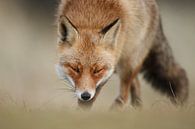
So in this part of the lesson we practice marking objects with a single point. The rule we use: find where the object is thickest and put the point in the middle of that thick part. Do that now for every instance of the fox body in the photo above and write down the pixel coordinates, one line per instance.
(97, 38)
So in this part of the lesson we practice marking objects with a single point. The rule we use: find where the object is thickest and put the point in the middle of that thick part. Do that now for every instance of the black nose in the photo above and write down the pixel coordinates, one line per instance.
(85, 96)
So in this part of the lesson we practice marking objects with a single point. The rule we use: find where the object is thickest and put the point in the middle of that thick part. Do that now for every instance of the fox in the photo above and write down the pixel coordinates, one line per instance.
(99, 38)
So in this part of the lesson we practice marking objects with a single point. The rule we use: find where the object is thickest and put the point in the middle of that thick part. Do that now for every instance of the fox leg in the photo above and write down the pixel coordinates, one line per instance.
(123, 97)
(135, 93)
(128, 84)
(88, 104)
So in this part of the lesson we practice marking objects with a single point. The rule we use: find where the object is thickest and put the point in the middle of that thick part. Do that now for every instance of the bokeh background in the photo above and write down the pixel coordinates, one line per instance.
(31, 95)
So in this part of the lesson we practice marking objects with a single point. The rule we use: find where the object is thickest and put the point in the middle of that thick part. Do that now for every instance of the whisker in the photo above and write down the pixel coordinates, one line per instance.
(68, 84)
(66, 89)
(74, 95)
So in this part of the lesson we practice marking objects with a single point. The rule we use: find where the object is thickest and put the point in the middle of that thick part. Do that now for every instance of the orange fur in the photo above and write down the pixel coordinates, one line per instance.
(88, 55)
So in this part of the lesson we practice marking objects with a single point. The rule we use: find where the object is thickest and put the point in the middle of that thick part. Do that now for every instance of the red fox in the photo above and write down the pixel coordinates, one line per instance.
(97, 38)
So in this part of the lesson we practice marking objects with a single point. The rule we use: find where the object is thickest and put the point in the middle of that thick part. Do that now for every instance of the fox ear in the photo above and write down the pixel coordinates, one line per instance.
(66, 30)
(110, 32)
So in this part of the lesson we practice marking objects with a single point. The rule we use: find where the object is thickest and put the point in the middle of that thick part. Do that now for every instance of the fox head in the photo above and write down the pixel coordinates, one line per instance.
(87, 57)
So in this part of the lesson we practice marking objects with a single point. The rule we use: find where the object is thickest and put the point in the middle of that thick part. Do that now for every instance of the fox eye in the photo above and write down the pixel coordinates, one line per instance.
(96, 70)
(108, 27)
(63, 31)
(75, 69)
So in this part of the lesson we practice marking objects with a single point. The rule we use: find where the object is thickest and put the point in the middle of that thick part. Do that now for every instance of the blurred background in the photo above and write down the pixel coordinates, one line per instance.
(28, 55)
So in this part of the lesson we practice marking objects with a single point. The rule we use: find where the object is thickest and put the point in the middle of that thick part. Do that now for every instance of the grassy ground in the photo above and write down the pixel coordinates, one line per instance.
(155, 118)
(29, 89)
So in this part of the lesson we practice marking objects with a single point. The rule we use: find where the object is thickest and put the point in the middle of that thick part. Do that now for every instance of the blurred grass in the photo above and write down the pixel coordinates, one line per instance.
(29, 88)
(18, 118)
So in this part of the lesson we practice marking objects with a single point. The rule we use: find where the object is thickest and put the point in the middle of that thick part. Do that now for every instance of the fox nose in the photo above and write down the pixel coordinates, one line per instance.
(85, 96)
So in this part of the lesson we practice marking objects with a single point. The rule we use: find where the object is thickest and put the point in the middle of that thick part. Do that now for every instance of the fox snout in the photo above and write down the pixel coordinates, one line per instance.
(85, 95)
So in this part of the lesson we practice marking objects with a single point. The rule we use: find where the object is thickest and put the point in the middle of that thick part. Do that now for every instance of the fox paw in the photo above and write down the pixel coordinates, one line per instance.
(118, 105)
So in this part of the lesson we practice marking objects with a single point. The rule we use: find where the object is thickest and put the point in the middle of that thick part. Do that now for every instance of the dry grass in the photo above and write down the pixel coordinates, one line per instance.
(13, 117)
